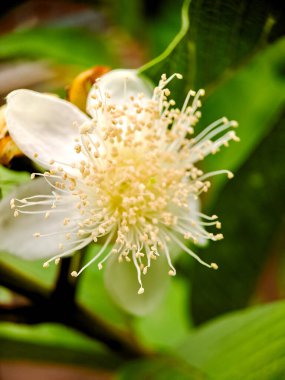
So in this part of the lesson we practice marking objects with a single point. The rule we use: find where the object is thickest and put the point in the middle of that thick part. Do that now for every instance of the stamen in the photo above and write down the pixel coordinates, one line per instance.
(164, 82)
(134, 181)
(102, 250)
(217, 172)
(188, 250)
(141, 289)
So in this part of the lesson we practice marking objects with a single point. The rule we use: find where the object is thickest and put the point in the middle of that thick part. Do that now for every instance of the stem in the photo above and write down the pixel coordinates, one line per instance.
(117, 340)
(65, 288)
(66, 285)
(50, 308)
(18, 283)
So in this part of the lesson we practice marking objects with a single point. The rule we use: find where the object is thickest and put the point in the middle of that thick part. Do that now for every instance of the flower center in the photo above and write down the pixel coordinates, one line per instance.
(135, 182)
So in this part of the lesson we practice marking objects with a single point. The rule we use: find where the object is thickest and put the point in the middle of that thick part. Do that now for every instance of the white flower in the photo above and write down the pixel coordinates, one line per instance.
(124, 177)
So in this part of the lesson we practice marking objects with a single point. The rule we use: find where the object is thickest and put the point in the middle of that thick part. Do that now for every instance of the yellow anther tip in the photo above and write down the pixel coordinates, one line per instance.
(141, 291)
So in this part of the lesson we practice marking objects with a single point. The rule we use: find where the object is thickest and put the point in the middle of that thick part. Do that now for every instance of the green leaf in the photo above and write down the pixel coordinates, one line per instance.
(247, 345)
(93, 294)
(225, 33)
(62, 45)
(254, 97)
(168, 324)
(32, 270)
(221, 36)
(163, 24)
(10, 179)
(169, 315)
(52, 343)
(251, 208)
(160, 368)
(128, 14)
(177, 57)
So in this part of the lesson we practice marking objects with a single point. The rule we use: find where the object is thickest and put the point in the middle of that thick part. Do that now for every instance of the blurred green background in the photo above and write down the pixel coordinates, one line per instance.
(226, 324)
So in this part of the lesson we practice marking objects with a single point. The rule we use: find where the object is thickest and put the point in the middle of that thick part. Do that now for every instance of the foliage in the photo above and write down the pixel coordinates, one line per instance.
(244, 345)
(61, 45)
(220, 38)
(236, 50)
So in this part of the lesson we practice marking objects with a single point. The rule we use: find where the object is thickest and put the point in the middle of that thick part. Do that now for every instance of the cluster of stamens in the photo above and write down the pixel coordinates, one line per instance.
(135, 179)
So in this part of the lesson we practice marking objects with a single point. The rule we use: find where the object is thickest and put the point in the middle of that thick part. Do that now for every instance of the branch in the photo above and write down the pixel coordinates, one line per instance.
(18, 283)
(47, 308)
(66, 285)
(117, 340)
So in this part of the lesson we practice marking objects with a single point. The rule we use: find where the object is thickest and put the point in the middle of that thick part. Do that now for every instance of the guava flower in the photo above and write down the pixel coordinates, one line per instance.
(124, 177)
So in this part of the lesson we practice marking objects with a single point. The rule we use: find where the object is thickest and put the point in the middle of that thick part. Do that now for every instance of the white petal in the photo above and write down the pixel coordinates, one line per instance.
(16, 233)
(122, 284)
(120, 84)
(43, 125)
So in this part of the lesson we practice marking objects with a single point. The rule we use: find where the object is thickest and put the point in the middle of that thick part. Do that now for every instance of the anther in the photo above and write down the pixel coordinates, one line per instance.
(77, 148)
(141, 290)
(66, 221)
(85, 128)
